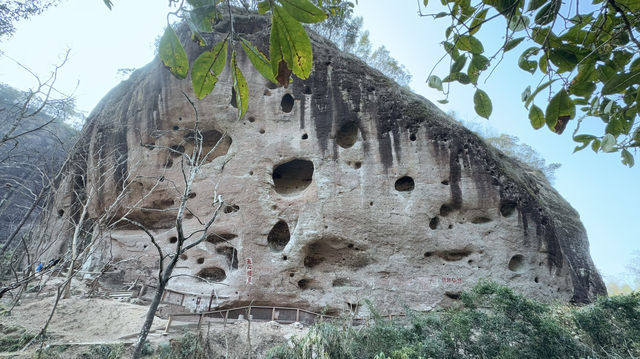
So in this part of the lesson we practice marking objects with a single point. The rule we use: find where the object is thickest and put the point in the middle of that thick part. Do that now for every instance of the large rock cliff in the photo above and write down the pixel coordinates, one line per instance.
(339, 188)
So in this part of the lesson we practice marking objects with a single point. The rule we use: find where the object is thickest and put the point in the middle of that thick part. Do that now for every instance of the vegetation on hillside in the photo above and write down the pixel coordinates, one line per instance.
(491, 321)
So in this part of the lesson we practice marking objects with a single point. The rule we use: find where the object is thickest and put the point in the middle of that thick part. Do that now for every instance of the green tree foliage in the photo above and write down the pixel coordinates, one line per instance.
(586, 58)
(12, 11)
(491, 321)
(512, 146)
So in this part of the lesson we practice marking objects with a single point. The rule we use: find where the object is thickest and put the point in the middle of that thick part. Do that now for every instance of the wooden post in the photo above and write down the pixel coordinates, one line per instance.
(199, 321)
(273, 313)
(166, 330)
(226, 315)
(297, 315)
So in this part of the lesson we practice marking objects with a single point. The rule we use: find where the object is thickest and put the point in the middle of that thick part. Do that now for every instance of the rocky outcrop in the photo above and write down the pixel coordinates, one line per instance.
(340, 188)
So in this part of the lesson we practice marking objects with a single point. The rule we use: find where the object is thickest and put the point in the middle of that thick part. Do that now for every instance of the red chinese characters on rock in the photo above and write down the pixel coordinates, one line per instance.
(249, 270)
(451, 280)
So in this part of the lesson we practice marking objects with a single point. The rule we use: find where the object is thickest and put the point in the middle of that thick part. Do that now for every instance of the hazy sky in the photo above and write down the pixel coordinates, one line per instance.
(605, 193)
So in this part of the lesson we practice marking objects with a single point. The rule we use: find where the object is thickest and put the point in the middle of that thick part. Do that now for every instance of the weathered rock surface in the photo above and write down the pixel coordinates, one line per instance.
(339, 188)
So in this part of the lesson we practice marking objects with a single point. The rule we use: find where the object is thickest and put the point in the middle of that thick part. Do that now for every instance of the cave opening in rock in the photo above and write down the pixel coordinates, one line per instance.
(293, 177)
(287, 103)
(210, 139)
(405, 184)
(279, 236)
(516, 263)
(173, 239)
(231, 208)
(213, 274)
(347, 135)
(445, 210)
(433, 223)
(60, 212)
(507, 208)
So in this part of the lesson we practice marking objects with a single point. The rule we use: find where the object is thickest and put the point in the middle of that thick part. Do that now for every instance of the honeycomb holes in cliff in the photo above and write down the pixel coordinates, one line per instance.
(347, 135)
(405, 184)
(279, 236)
(516, 263)
(293, 177)
(286, 104)
(508, 208)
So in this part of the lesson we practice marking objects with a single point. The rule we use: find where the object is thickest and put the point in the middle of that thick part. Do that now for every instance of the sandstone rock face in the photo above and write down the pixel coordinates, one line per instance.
(339, 188)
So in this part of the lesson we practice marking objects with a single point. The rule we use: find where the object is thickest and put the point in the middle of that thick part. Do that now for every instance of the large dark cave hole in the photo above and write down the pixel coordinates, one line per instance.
(279, 236)
(293, 177)
(287, 103)
(507, 208)
(347, 135)
(405, 184)
(516, 263)
(213, 274)
(210, 139)
(231, 254)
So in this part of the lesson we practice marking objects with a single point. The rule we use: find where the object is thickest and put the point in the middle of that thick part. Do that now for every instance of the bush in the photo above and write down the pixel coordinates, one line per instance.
(491, 322)
(189, 346)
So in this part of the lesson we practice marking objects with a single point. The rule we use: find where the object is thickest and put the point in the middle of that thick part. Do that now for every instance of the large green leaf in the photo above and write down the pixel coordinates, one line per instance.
(290, 44)
(535, 4)
(240, 87)
(435, 82)
(608, 143)
(458, 64)
(559, 110)
(203, 17)
(619, 82)
(564, 59)
(206, 69)
(480, 62)
(512, 44)
(536, 92)
(536, 117)
(627, 158)
(477, 22)
(469, 43)
(172, 54)
(525, 63)
(259, 61)
(303, 11)
(482, 104)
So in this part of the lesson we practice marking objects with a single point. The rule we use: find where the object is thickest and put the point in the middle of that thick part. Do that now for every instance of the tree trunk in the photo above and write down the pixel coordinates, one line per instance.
(151, 313)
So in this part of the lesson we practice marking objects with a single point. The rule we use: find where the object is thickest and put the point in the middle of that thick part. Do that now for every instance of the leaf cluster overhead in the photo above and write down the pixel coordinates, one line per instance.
(585, 59)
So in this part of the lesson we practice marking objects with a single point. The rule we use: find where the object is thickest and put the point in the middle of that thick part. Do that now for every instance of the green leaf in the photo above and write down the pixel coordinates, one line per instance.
(512, 44)
(620, 82)
(627, 158)
(441, 14)
(473, 73)
(559, 110)
(303, 11)
(172, 54)
(535, 4)
(482, 104)
(435, 82)
(565, 60)
(480, 62)
(458, 64)
(582, 88)
(525, 63)
(608, 143)
(203, 18)
(425, 2)
(525, 94)
(443, 101)
(537, 91)
(469, 43)
(451, 50)
(206, 69)
(263, 7)
(536, 117)
(548, 13)
(543, 63)
(259, 61)
(290, 44)
(477, 22)
(595, 145)
(240, 87)
(108, 4)
(518, 23)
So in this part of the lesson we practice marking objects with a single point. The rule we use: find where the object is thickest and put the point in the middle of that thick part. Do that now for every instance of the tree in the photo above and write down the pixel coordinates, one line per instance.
(13, 10)
(587, 58)
(512, 146)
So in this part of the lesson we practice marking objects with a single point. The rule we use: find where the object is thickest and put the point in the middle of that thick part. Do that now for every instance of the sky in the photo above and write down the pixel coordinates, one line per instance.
(598, 186)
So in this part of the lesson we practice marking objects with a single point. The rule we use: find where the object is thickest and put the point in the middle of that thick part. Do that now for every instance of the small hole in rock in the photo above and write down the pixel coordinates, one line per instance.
(350, 245)
(176, 150)
(413, 137)
(357, 165)
(200, 260)
(214, 274)
(445, 182)
(428, 254)
(192, 195)
(60, 212)
(231, 208)
(307, 90)
(252, 119)
(434, 222)
(250, 173)
(507, 208)
(450, 226)
(188, 215)
(452, 295)
(284, 258)
(371, 203)
(184, 257)
(303, 283)
(169, 163)
(262, 131)
(536, 279)
(405, 184)
(173, 239)
(287, 103)
(291, 275)
(347, 135)
(176, 128)
(279, 236)
(480, 220)
(267, 93)
(305, 136)
(516, 263)
(271, 85)
(179, 118)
